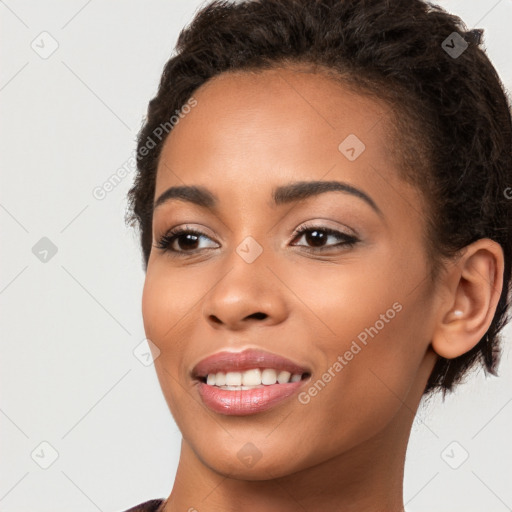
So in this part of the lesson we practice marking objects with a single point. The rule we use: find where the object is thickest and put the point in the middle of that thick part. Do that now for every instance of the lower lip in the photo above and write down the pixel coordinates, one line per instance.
(246, 401)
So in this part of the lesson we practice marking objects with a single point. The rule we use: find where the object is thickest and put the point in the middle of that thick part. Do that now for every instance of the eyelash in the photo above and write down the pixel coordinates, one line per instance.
(165, 242)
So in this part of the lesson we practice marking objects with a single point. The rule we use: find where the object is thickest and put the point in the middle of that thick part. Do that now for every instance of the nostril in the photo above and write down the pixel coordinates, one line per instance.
(259, 316)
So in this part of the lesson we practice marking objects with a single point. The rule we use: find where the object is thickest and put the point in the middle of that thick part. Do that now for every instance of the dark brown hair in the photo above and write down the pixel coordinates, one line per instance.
(450, 114)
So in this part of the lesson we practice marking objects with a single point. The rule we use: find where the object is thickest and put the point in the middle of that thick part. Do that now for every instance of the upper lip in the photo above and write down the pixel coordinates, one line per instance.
(248, 359)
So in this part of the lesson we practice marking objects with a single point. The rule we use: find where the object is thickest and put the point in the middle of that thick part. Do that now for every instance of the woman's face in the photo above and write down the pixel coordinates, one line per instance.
(359, 316)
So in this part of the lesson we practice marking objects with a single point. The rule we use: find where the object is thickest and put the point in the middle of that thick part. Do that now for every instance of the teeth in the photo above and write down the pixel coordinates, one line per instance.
(233, 379)
(238, 388)
(251, 378)
(284, 377)
(268, 376)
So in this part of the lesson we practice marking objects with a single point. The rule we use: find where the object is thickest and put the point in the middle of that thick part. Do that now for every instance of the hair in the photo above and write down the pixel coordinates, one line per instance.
(450, 115)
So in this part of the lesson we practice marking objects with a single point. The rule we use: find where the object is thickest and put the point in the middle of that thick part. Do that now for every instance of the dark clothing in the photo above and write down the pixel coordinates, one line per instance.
(148, 506)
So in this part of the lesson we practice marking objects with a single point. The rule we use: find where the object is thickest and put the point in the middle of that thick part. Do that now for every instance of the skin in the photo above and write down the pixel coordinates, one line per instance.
(344, 450)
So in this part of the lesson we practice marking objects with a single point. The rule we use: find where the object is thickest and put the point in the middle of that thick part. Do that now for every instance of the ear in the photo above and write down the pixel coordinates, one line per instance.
(473, 287)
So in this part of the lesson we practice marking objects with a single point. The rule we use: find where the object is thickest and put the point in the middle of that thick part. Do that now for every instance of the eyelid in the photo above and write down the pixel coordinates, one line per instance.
(188, 227)
(310, 224)
(346, 241)
(320, 224)
(164, 242)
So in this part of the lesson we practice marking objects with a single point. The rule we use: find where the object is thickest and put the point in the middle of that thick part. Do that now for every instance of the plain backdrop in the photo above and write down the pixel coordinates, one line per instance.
(84, 425)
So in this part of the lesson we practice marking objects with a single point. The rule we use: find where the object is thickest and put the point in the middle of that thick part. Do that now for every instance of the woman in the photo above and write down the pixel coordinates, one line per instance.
(323, 198)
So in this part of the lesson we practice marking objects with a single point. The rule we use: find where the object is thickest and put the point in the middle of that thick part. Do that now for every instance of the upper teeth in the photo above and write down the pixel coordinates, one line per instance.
(253, 377)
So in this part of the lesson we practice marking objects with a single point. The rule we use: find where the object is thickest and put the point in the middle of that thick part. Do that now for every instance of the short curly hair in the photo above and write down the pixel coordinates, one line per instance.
(449, 108)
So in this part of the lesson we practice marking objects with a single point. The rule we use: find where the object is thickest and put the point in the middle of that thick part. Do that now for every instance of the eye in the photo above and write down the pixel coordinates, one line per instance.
(182, 240)
(318, 236)
(187, 240)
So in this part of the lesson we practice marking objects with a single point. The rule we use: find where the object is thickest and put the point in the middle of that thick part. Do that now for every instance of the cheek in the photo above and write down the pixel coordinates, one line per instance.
(371, 331)
(153, 299)
(167, 298)
(165, 303)
(362, 387)
(345, 299)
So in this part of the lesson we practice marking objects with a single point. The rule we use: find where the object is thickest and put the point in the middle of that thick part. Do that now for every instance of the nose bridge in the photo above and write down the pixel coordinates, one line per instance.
(246, 290)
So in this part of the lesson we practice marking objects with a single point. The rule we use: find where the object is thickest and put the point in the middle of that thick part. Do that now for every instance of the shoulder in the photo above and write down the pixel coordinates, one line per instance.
(147, 506)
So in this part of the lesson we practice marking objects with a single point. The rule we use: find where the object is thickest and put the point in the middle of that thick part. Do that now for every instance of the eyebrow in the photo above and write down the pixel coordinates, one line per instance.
(283, 194)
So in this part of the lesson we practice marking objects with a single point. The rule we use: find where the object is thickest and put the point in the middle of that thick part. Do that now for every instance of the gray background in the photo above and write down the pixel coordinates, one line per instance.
(69, 376)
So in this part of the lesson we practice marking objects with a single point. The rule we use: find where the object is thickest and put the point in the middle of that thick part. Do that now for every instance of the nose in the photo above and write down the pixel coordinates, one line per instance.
(247, 294)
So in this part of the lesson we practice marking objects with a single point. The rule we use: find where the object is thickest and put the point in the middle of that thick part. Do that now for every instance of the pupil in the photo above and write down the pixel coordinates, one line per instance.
(315, 241)
(191, 239)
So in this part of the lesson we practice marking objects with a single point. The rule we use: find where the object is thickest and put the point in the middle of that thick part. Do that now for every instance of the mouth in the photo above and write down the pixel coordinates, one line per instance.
(251, 367)
(253, 378)
(242, 383)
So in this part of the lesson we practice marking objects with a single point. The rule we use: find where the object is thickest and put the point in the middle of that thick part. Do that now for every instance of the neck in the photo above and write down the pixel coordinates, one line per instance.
(367, 478)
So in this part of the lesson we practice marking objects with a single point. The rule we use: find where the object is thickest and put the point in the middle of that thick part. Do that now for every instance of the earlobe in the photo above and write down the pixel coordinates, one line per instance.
(475, 283)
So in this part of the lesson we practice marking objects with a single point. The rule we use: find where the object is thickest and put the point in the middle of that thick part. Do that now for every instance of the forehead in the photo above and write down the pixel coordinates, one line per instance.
(290, 102)
(250, 128)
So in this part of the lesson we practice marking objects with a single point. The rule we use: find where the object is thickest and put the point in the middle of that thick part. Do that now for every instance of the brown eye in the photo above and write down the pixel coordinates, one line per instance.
(181, 241)
(317, 237)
